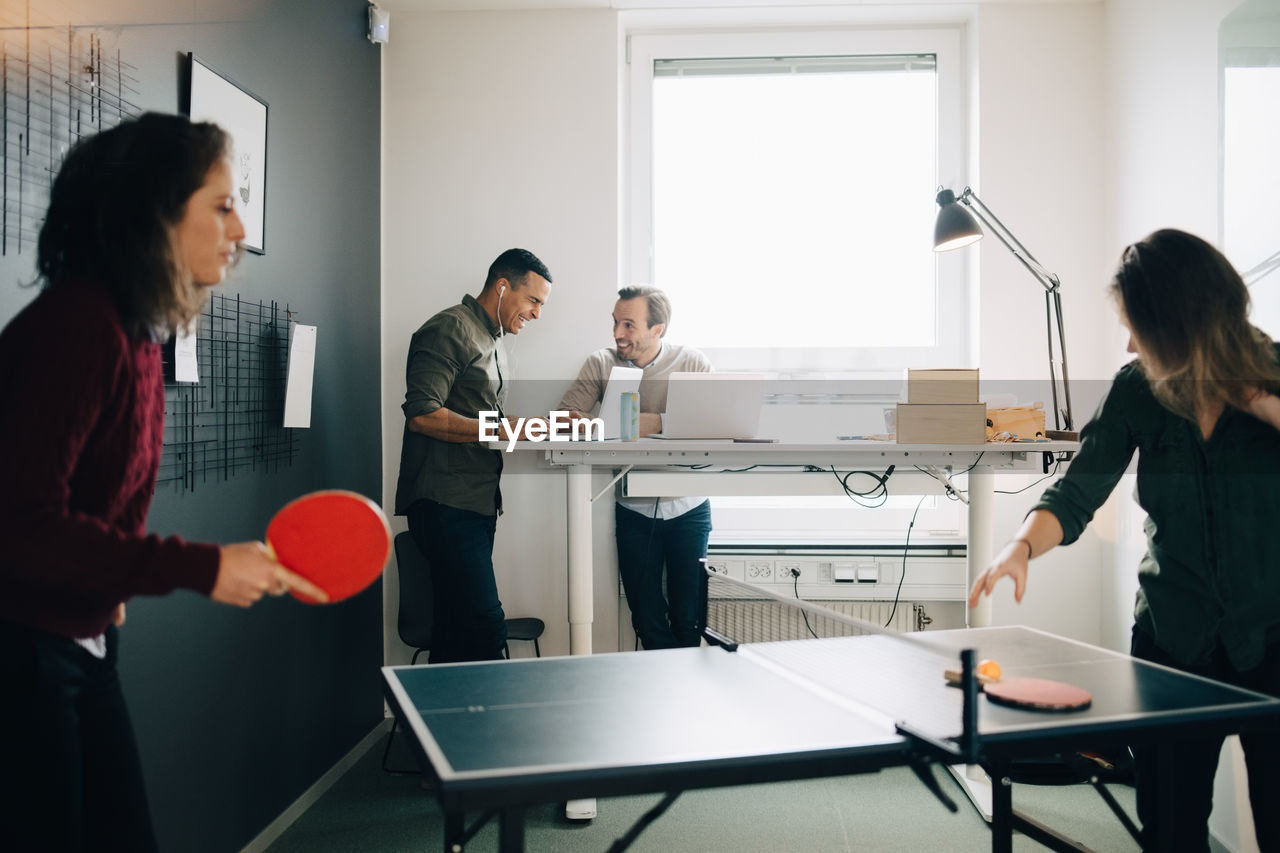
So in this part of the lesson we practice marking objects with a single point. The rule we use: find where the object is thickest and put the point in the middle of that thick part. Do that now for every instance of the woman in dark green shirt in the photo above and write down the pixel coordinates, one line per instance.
(1199, 406)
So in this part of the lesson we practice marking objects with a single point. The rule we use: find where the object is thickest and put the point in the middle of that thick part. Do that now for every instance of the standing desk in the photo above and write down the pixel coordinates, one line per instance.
(659, 467)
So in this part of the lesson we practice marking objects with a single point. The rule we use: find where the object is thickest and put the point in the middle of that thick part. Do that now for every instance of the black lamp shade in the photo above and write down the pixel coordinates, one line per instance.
(956, 226)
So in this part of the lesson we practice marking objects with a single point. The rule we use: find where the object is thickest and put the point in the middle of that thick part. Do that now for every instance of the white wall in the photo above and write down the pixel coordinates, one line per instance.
(1039, 152)
(500, 130)
(1163, 173)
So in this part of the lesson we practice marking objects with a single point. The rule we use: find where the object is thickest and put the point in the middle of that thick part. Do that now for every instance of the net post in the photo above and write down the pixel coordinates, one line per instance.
(969, 714)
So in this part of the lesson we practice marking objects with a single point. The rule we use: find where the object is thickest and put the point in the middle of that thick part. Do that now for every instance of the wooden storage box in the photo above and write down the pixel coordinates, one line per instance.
(1018, 421)
(942, 423)
(942, 385)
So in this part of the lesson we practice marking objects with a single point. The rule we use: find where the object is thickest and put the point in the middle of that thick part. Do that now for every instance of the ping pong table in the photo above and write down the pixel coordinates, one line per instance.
(497, 737)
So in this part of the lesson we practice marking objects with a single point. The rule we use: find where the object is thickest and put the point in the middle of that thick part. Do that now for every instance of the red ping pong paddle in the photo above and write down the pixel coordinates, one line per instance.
(338, 540)
(1039, 694)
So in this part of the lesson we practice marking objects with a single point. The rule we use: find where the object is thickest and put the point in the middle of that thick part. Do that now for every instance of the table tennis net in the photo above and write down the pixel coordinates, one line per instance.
(744, 613)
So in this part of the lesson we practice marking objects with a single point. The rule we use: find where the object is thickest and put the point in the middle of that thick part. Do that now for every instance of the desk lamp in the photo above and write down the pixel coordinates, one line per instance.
(958, 226)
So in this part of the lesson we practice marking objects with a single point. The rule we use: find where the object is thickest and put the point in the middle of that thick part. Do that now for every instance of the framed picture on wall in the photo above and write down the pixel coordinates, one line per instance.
(213, 97)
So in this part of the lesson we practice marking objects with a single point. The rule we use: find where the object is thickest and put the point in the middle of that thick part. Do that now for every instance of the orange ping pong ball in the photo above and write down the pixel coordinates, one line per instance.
(989, 669)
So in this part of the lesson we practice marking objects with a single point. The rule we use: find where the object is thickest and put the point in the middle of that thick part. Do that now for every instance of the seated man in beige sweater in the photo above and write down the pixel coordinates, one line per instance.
(652, 533)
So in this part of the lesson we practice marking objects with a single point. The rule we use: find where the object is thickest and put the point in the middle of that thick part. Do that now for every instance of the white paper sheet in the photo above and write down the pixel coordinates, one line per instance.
(297, 389)
(186, 367)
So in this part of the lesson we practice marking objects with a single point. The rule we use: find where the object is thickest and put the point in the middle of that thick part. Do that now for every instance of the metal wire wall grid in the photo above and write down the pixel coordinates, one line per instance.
(231, 421)
(58, 83)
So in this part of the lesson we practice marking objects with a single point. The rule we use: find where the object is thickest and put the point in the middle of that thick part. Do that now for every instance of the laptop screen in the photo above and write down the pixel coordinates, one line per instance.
(714, 405)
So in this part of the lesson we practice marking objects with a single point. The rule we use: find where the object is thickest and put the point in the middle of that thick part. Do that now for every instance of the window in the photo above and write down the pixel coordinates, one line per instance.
(781, 191)
(1251, 180)
(1249, 51)
(780, 188)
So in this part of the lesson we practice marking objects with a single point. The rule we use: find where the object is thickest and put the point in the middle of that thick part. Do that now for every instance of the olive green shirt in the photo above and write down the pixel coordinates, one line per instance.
(456, 361)
(1212, 569)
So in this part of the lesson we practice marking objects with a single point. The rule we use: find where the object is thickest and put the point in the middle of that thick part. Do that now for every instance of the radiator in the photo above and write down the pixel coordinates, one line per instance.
(908, 616)
(745, 613)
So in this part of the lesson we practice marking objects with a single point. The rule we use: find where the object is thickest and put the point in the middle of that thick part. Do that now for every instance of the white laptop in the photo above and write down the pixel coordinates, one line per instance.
(621, 380)
(713, 405)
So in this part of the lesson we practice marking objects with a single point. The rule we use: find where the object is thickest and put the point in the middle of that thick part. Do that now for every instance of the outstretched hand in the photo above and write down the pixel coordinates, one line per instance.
(246, 572)
(1010, 562)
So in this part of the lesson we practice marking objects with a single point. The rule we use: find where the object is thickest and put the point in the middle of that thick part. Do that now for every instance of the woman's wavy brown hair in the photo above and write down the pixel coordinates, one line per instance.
(1189, 311)
(113, 214)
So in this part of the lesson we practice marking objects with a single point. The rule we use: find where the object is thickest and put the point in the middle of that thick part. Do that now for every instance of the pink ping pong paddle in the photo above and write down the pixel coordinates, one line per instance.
(1039, 694)
(338, 540)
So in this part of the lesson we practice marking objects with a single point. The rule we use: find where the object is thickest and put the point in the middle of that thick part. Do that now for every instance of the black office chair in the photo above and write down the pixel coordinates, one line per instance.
(414, 619)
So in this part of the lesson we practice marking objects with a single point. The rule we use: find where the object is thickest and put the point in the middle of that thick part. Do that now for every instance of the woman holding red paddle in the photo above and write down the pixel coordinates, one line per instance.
(1199, 407)
(141, 222)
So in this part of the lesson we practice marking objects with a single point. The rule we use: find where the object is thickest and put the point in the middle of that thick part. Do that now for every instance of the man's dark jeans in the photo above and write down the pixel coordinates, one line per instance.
(645, 546)
(468, 620)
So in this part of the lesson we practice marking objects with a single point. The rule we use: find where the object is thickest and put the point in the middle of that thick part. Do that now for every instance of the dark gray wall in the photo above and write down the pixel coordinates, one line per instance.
(238, 712)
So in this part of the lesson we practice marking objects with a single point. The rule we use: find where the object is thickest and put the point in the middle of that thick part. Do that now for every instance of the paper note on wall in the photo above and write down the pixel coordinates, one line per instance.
(186, 367)
(297, 389)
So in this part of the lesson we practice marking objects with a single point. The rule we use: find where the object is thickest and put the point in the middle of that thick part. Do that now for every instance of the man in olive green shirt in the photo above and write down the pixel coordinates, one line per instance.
(448, 484)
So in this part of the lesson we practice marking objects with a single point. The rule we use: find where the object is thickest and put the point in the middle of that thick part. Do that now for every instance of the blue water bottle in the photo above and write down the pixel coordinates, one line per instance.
(630, 404)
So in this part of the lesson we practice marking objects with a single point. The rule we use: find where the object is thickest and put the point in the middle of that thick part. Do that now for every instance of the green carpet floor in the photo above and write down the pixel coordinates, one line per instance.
(368, 810)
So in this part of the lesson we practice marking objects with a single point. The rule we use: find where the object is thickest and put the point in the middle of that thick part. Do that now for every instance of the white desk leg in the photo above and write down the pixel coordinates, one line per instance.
(581, 607)
(980, 552)
(972, 778)
(580, 580)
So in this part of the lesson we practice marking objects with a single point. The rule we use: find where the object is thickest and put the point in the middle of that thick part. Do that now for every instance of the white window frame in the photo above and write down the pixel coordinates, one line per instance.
(1249, 42)
(945, 42)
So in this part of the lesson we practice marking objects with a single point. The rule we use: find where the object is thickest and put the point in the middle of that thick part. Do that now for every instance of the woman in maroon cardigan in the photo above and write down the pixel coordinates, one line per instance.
(141, 222)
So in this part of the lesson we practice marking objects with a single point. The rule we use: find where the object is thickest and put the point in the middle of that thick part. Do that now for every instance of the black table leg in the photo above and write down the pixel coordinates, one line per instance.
(511, 830)
(1005, 819)
(1167, 795)
(1001, 808)
(454, 823)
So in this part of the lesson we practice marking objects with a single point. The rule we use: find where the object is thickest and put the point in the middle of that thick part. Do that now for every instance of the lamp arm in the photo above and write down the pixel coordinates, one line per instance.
(1059, 381)
(1047, 280)
(1262, 269)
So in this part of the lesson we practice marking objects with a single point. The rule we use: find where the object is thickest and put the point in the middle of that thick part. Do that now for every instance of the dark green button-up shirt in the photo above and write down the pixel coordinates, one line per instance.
(456, 361)
(1212, 569)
